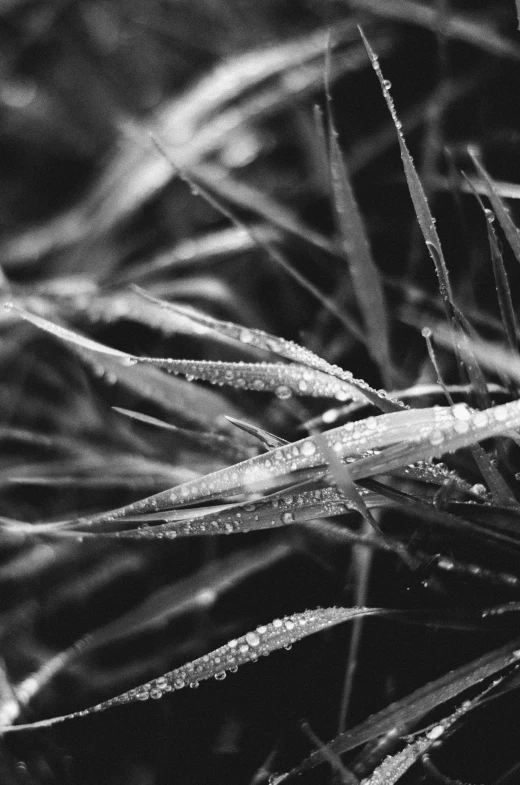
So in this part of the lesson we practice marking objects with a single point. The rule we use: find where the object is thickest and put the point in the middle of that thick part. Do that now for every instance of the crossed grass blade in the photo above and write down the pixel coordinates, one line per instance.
(399, 718)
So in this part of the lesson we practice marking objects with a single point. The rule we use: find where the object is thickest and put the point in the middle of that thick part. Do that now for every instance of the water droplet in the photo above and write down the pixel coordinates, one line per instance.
(435, 732)
(253, 639)
(342, 395)
(500, 414)
(233, 669)
(194, 685)
(479, 489)
(461, 412)
(287, 517)
(129, 360)
(330, 416)
(283, 392)
(245, 336)
(288, 647)
(490, 215)
(436, 437)
(387, 84)
(480, 419)
(308, 448)
(220, 676)
(277, 623)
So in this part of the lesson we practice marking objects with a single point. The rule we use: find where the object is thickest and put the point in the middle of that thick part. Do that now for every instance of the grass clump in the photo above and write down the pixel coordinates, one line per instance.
(217, 280)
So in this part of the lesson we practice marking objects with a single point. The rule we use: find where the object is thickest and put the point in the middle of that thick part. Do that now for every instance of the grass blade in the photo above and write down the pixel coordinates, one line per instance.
(502, 213)
(400, 717)
(260, 642)
(420, 203)
(355, 246)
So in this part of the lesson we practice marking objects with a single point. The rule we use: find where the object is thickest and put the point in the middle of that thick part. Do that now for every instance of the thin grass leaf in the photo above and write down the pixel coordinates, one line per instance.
(284, 348)
(395, 766)
(193, 405)
(501, 211)
(505, 301)
(492, 356)
(400, 717)
(197, 592)
(355, 246)
(264, 471)
(269, 440)
(214, 441)
(202, 188)
(457, 26)
(194, 254)
(283, 380)
(248, 648)
(420, 203)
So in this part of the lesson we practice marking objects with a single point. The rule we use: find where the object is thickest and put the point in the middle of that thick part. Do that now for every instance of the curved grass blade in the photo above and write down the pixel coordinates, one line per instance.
(282, 347)
(399, 718)
(501, 211)
(195, 406)
(465, 29)
(395, 766)
(355, 246)
(264, 471)
(248, 648)
(285, 380)
(420, 203)
(466, 428)
(505, 301)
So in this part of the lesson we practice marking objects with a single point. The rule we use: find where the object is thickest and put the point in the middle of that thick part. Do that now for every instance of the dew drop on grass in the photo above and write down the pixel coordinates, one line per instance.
(287, 517)
(308, 448)
(461, 412)
(436, 437)
(283, 392)
(220, 676)
(253, 639)
(480, 419)
(246, 336)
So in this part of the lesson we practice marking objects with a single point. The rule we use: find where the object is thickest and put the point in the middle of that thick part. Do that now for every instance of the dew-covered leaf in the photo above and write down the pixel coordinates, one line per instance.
(193, 405)
(501, 211)
(355, 245)
(265, 639)
(265, 471)
(284, 380)
(399, 718)
(420, 203)
(284, 348)
(395, 766)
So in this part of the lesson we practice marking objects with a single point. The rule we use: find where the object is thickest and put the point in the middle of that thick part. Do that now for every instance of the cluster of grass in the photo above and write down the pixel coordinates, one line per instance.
(255, 397)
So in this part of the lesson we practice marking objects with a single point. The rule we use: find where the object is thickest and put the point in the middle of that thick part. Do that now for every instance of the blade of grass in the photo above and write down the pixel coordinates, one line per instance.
(501, 211)
(400, 717)
(355, 246)
(247, 648)
(464, 28)
(422, 210)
